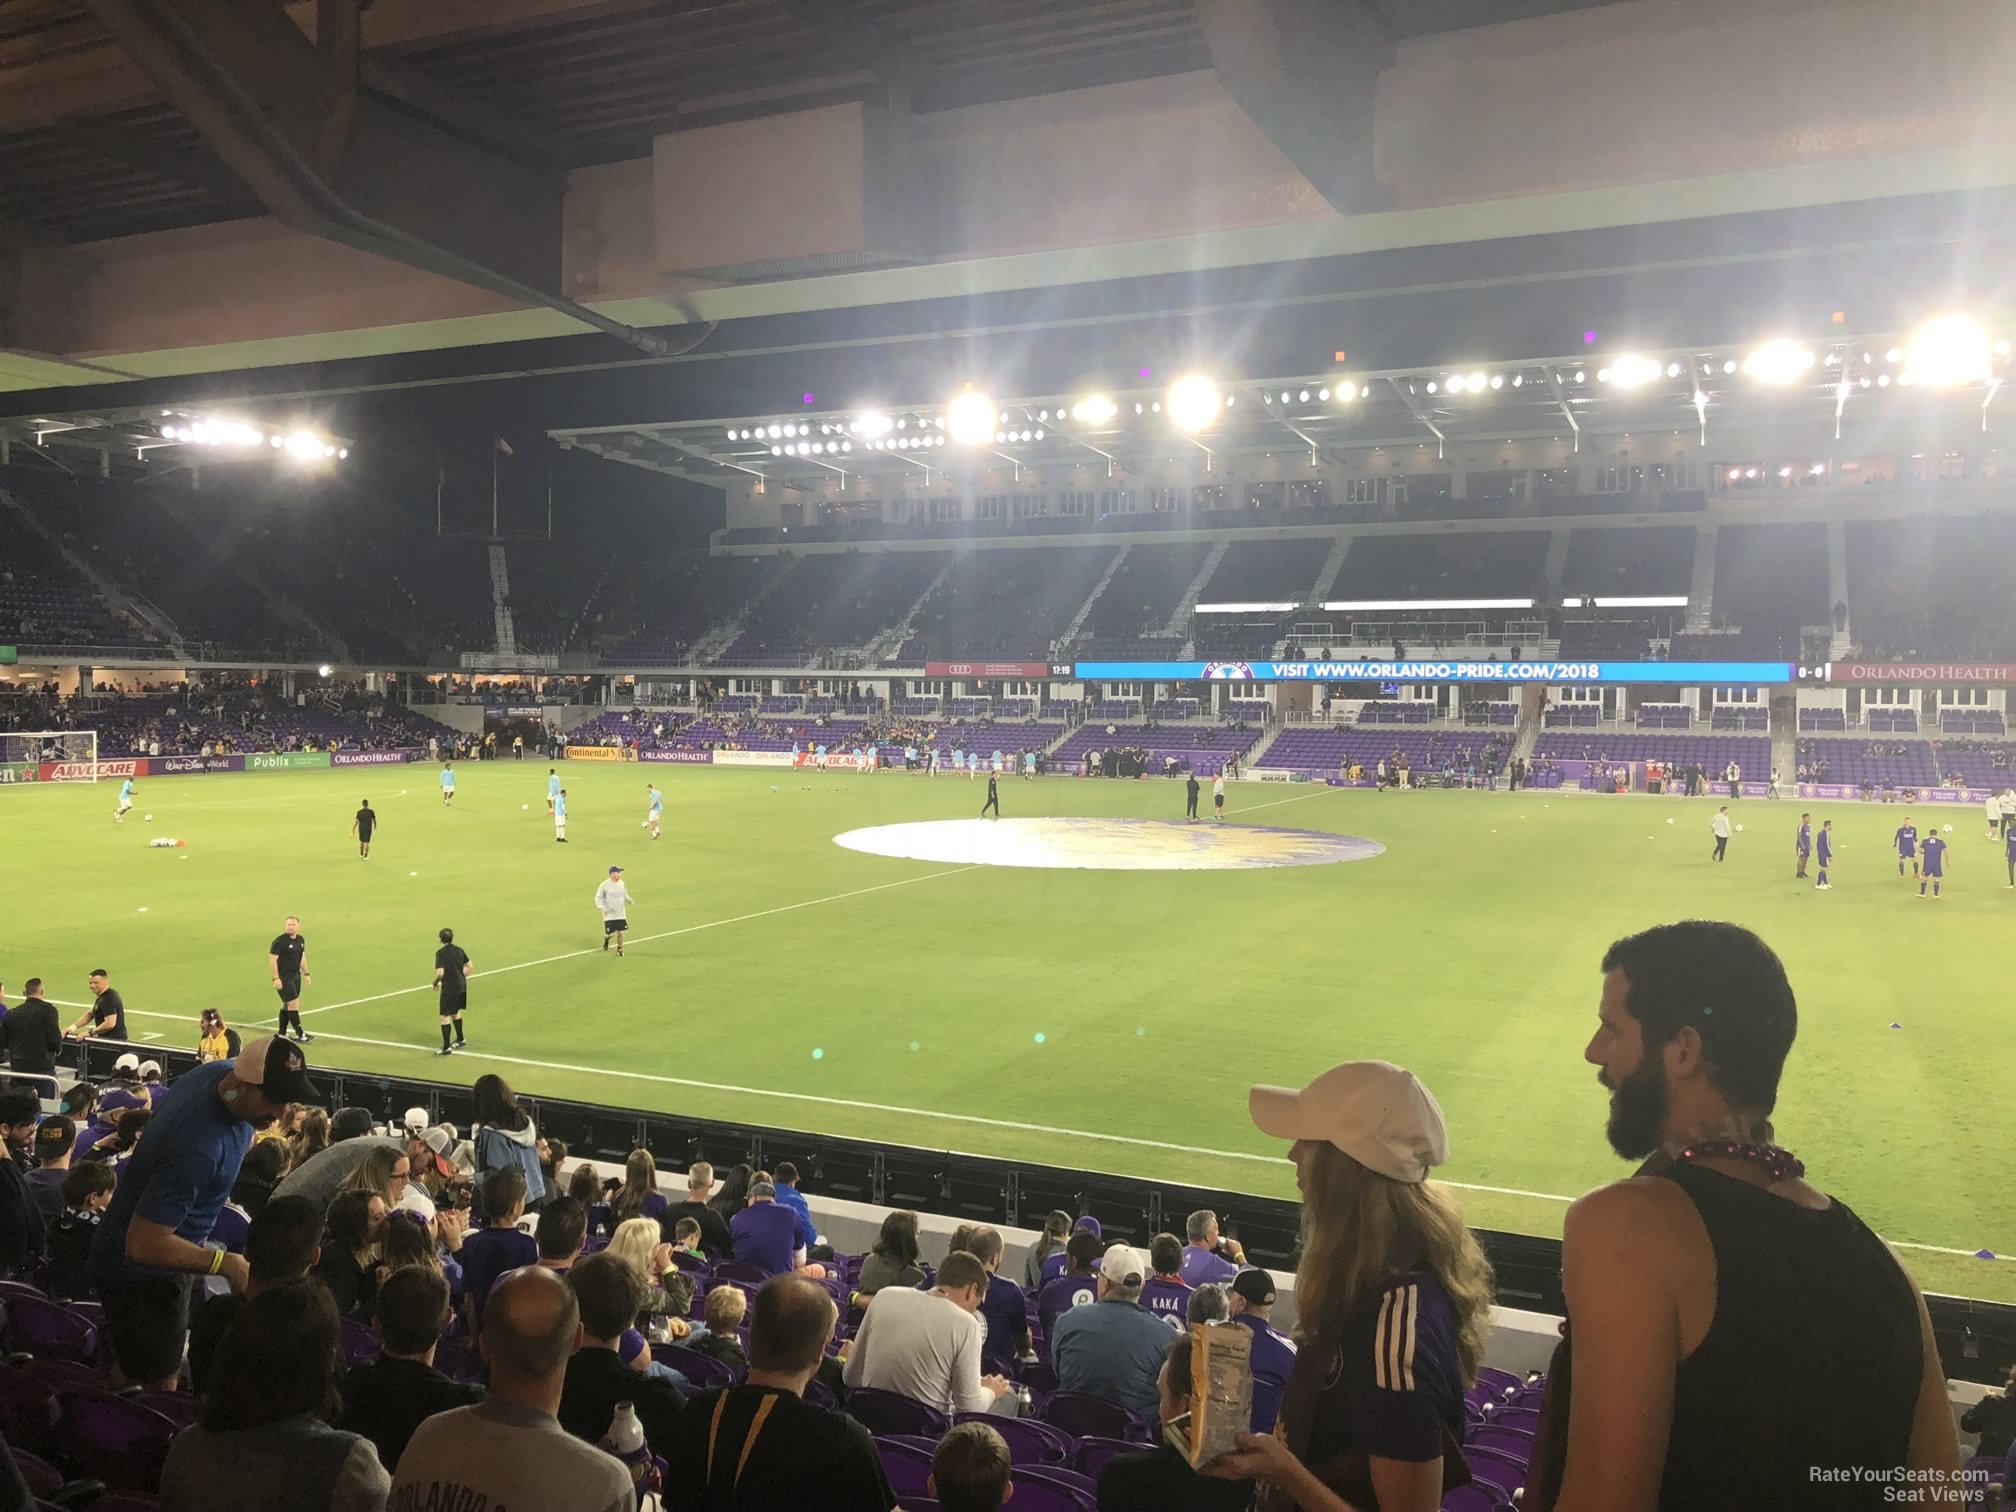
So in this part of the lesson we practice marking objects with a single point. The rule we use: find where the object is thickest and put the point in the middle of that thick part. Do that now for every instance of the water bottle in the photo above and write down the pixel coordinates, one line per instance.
(1025, 1404)
(625, 1440)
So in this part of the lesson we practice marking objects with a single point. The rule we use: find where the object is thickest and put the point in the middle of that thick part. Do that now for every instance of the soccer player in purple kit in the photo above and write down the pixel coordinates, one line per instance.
(1802, 846)
(1935, 864)
(1906, 843)
(1825, 845)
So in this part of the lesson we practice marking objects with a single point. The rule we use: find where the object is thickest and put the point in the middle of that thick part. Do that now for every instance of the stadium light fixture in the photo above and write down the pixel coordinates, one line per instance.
(1194, 402)
(1948, 350)
(970, 418)
(326, 670)
(1778, 362)
(1630, 371)
(1475, 383)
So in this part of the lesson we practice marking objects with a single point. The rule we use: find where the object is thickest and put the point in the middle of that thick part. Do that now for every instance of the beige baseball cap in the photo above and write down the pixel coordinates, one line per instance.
(1123, 1265)
(1375, 1112)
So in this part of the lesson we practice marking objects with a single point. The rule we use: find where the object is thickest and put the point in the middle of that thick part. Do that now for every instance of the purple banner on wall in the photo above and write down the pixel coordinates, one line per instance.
(162, 766)
(682, 758)
(372, 758)
(1897, 794)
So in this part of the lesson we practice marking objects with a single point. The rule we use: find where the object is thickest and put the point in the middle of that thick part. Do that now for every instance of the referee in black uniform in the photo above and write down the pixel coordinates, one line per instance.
(362, 826)
(288, 956)
(993, 797)
(451, 982)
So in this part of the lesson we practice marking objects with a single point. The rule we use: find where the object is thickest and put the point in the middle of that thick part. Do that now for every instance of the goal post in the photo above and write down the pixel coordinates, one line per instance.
(48, 756)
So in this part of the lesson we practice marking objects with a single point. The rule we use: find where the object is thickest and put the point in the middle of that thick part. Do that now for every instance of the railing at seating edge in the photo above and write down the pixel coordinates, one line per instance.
(1976, 1338)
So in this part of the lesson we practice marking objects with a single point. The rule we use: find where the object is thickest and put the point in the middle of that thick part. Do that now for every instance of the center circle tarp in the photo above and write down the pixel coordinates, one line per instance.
(1108, 844)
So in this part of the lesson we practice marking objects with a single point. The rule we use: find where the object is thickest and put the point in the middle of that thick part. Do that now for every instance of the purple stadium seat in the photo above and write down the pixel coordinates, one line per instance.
(1034, 1494)
(1496, 1466)
(740, 1270)
(1472, 1498)
(1037, 1375)
(1500, 1381)
(50, 1331)
(28, 1410)
(819, 1394)
(1093, 1453)
(1082, 1416)
(113, 1439)
(1526, 1418)
(701, 1369)
(61, 1375)
(359, 1342)
(458, 1362)
(696, 1264)
(1516, 1443)
(43, 1478)
(179, 1407)
(887, 1412)
(909, 1475)
(1029, 1442)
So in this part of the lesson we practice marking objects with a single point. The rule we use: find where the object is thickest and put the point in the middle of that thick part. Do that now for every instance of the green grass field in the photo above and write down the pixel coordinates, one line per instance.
(1091, 1018)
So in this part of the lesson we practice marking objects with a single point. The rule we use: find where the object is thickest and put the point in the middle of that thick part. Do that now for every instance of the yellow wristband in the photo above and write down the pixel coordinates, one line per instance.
(216, 1261)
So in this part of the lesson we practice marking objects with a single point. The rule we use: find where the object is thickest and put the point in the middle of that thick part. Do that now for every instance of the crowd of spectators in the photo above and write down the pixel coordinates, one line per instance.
(344, 1317)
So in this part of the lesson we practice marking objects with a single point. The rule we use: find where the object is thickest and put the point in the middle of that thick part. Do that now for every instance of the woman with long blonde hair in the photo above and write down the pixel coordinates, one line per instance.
(640, 1244)
(1392, 1302)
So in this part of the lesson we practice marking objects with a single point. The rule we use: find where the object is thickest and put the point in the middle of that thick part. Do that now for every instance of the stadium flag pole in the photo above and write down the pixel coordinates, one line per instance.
(496, 447)
(440, 484)
(549, 495)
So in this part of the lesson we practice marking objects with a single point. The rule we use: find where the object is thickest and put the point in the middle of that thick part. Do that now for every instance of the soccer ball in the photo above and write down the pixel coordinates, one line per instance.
(525, 807)
(1949, 829)
(1669, 821)
(149, 818)
(773, 787)
(1739, 829)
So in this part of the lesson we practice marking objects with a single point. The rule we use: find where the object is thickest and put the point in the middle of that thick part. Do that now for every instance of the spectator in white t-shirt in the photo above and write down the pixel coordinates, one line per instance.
(926, 1345)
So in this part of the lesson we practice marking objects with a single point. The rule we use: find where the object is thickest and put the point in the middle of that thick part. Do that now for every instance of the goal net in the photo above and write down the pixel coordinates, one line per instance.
(52, 756)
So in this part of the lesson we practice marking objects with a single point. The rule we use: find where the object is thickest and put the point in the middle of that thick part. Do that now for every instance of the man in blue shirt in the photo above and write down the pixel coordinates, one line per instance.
(1202, 1262)
(1004, 1310)
(1824, 845)
(1935, 864)
(1114, 1348)
(149, 1248)
(1906, 843)
(788, 1196)
(1802, 846)
(1273, 1351)
(765, 1233)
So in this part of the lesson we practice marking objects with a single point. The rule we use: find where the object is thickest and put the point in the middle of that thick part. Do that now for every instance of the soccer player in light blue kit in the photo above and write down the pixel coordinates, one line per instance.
(447, 783)
(560, 816)
(552, 787)
(125, 801)
(1906, 842)
(1935, 864)
(656, 817)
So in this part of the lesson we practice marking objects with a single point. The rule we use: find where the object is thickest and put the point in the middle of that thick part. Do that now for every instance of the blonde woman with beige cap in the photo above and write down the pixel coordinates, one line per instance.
(1392, 1301)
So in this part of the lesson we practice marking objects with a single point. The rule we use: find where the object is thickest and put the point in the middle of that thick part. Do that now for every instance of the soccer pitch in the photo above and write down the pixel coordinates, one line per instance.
(1099, 1019)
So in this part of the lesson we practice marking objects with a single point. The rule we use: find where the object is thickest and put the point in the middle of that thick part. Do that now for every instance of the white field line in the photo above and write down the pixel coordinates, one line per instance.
(1013, 1125)
(667, 934)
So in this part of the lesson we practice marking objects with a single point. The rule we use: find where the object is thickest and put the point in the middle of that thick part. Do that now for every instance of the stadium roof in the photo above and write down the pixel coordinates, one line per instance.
(89, 150)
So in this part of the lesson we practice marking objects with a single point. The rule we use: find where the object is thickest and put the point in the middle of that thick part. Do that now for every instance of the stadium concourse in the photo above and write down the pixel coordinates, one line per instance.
(1184, 736)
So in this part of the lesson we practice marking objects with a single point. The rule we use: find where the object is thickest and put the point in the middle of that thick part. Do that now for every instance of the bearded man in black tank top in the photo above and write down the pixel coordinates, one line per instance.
(1738, 1340)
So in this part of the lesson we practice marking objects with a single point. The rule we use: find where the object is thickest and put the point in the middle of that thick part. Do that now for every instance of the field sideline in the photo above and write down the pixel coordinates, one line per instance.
(1106, 1020)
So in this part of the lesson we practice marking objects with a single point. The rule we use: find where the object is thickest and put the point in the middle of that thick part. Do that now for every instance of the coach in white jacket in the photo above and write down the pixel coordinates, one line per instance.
(613, 899)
